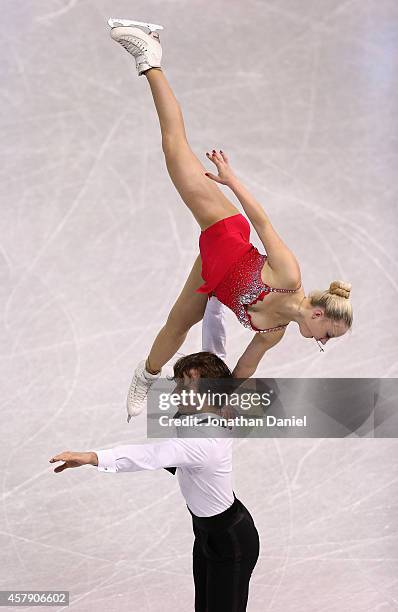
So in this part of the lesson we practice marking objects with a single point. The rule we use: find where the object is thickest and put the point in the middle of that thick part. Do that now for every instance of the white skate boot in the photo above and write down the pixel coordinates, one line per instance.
(139, 387)
(145, 48)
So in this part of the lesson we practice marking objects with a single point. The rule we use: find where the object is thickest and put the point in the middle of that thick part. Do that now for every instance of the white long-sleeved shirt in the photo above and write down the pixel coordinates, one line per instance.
(204, 468)
(214, 336)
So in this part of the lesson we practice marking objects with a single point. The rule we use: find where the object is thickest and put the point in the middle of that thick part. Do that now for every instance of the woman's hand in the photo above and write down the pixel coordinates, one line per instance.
(73, 460)
(225, 174)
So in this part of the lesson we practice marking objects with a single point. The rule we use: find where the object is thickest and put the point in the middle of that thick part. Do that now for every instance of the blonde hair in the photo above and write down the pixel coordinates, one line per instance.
(335, 301)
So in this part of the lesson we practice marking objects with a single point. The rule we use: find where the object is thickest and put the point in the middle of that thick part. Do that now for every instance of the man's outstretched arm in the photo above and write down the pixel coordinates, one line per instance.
(136, 457)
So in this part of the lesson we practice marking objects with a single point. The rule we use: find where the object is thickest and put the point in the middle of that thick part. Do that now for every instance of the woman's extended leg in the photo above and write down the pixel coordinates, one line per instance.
(188, 310)
(203, 197)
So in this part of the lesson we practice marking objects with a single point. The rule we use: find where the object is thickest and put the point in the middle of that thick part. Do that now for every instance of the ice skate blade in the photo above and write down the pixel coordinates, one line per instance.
(114, 23)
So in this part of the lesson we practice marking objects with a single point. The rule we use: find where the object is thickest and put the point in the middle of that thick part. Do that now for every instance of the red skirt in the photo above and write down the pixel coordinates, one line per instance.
(221, 246)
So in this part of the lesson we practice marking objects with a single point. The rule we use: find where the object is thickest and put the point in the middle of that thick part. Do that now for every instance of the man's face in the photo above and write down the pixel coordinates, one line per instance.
(188, 382)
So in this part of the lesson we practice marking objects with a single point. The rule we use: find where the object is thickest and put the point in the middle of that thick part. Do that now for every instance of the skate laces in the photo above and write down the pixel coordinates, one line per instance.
(133, 42)
(139, 388)
(131, 45)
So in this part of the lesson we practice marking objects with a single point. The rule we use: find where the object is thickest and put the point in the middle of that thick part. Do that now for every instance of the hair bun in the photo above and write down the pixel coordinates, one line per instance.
(340, 288)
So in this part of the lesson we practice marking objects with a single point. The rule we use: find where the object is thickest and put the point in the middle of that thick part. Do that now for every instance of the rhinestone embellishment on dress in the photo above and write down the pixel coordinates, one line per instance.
(243, 286)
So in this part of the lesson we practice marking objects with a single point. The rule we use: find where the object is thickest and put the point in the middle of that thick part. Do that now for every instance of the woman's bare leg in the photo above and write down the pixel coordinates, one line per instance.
(202, 196)
(188, 310)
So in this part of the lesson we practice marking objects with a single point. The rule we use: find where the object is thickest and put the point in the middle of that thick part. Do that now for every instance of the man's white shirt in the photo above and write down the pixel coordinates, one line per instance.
(204, 468)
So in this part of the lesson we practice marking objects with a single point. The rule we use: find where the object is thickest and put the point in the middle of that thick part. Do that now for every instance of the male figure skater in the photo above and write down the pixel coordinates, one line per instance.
(226, 545)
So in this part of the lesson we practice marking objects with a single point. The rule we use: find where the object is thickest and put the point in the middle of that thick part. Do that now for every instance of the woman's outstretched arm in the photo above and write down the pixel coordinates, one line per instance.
(261, 343)
(280, 258)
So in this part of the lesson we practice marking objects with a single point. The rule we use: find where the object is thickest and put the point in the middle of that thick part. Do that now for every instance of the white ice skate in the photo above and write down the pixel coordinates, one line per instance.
(152, 27)
(145, 48)
(139, 387)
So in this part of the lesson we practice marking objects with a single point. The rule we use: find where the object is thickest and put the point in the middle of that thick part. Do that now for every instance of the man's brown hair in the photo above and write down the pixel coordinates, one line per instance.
(207, 364)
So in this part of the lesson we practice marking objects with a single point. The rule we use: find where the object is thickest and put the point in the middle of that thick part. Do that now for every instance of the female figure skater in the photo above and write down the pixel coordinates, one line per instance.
(264, 291)
(226, 546)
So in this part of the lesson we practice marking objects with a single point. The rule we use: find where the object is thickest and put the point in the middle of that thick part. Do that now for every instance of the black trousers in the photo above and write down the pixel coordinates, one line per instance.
(225, 551)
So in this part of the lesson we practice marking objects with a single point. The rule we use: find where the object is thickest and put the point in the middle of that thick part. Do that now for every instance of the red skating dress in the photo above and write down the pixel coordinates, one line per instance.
(231, 268)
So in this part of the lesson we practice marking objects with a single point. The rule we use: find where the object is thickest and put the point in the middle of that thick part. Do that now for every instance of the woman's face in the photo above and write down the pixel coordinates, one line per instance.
(316, 325)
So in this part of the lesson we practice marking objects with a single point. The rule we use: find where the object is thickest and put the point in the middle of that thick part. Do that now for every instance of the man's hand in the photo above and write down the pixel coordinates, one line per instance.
(73, 460)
